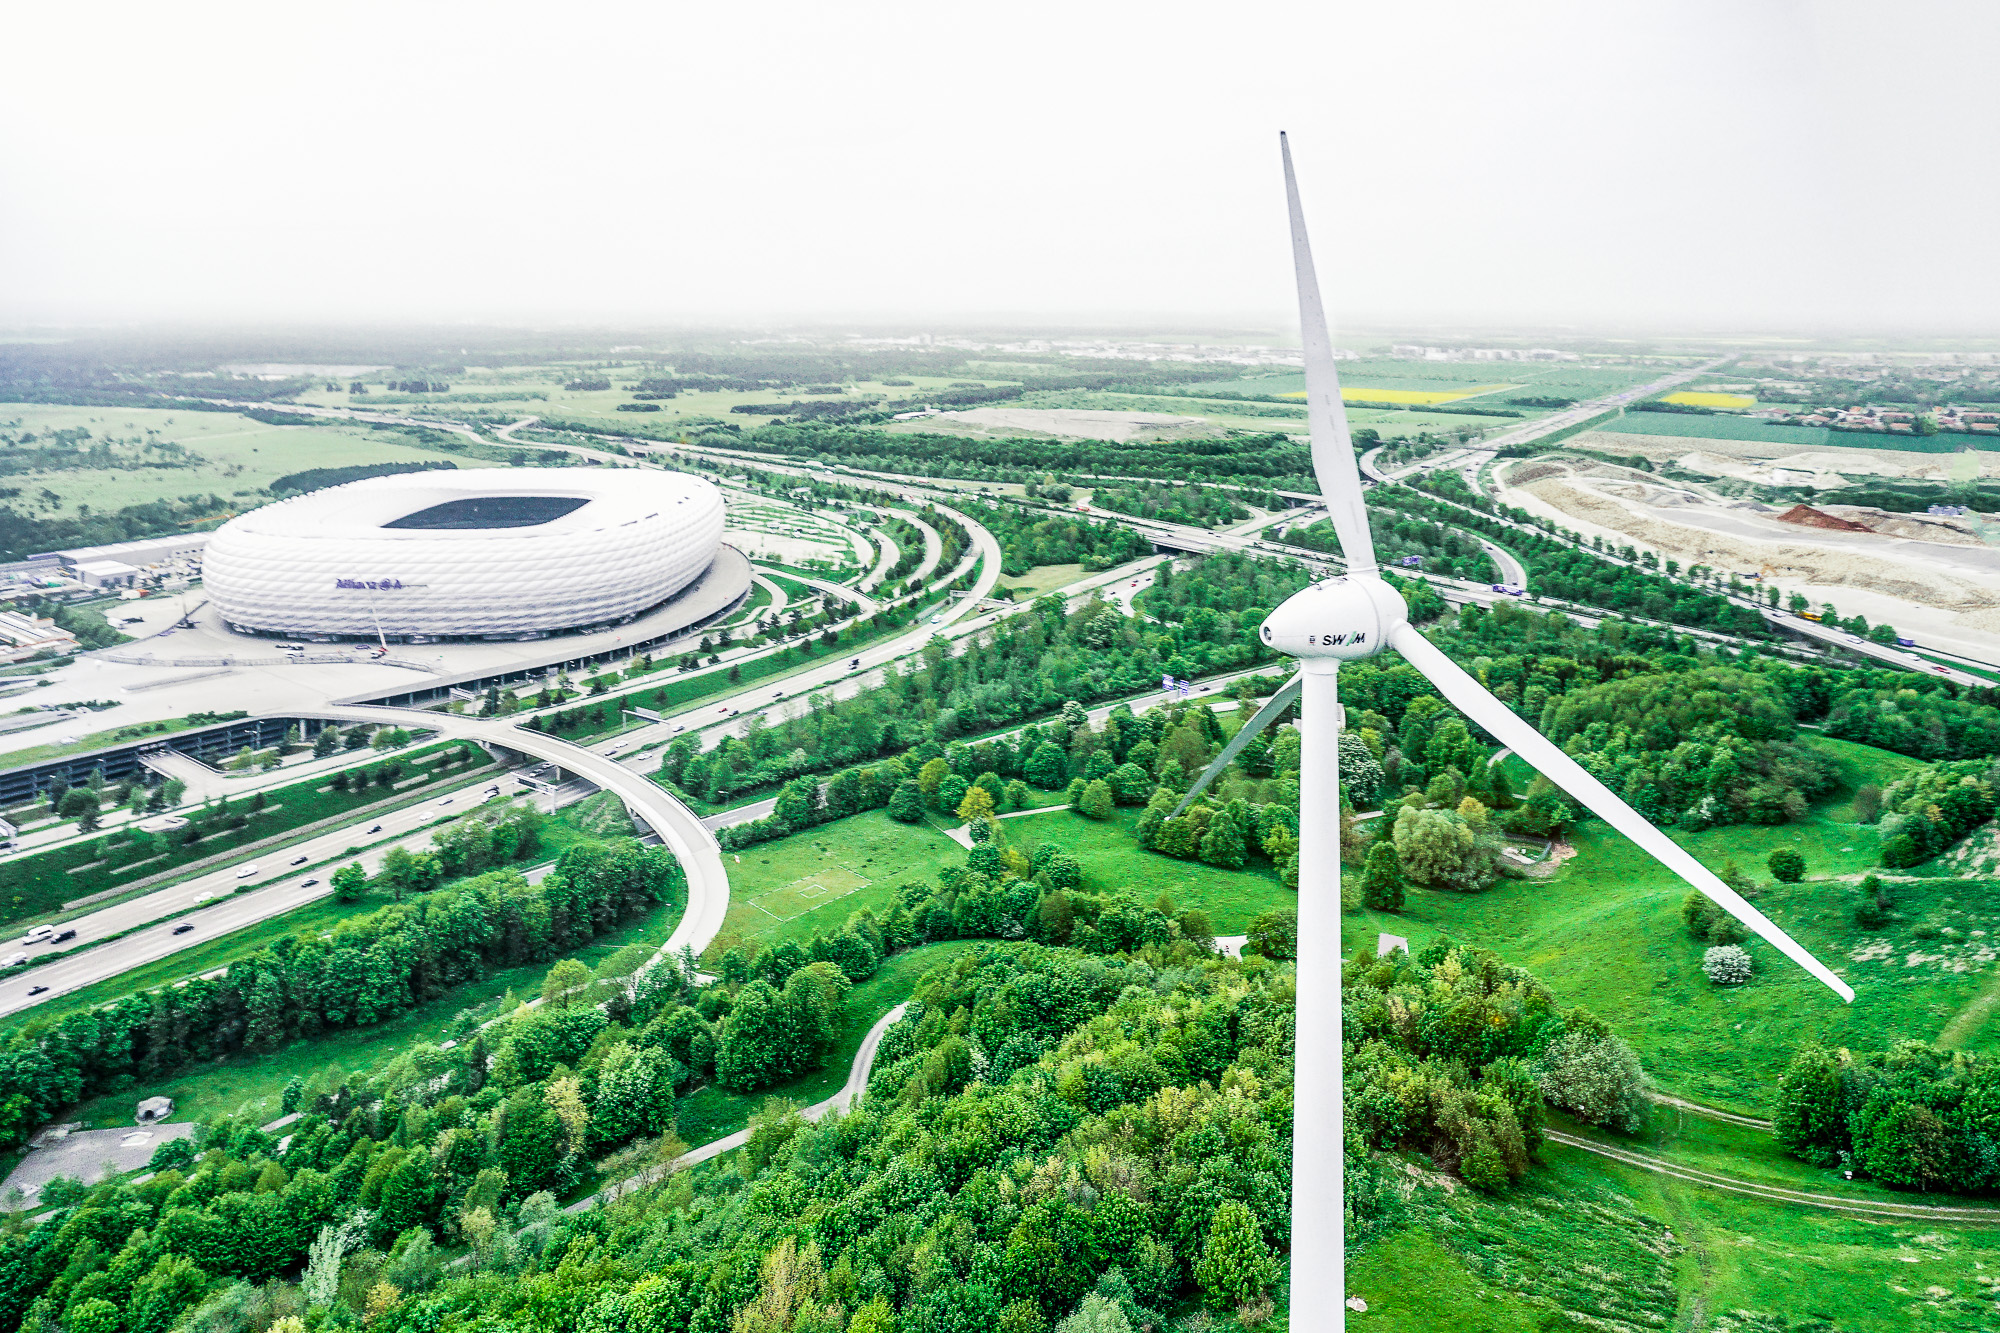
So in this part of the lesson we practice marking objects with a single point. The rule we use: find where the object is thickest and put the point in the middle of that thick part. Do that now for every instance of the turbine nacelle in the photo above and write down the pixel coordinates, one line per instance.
(1342, 619)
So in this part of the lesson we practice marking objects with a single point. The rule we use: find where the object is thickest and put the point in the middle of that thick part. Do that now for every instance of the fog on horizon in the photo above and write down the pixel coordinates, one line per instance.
(1767, 165)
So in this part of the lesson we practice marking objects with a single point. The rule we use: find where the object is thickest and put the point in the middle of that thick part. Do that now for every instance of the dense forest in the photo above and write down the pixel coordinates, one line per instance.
(1031, 537)
(1050, 1136)
(1407, 540)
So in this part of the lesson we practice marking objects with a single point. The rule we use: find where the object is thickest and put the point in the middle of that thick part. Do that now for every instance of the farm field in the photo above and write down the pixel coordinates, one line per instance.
(1695, 398)
(227, 455)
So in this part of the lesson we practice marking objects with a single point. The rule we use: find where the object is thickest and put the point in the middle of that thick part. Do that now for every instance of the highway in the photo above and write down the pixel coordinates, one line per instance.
(623, 763)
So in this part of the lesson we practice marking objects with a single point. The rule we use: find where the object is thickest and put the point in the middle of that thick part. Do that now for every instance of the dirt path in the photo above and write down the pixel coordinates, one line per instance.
(1908, 1212)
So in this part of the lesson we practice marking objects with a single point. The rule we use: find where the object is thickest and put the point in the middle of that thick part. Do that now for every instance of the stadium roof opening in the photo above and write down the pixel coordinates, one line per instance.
(493, 511)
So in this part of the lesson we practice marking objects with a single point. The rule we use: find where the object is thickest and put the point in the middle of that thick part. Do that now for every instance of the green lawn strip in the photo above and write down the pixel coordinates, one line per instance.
(97, 740)
(713, 1112)
(40, 883)
(794, 590)
(1605, 932)
(1981, 672)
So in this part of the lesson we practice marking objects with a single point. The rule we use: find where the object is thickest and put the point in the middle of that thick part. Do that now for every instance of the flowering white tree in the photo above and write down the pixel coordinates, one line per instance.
(1726, 965)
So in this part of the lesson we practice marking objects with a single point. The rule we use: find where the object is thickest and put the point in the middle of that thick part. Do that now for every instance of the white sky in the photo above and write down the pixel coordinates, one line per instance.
(1714, 166)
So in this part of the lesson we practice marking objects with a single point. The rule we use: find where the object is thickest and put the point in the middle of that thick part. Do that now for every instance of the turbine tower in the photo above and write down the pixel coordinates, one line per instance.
(1344, 620)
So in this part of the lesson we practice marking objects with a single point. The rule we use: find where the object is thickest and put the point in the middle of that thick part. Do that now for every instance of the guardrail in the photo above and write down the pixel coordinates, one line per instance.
(138, 659)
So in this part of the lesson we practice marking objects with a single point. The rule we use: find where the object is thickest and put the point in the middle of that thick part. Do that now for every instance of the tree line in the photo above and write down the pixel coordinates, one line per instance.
(372, 968)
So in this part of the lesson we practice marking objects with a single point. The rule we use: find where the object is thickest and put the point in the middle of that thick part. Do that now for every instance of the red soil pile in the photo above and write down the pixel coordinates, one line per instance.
(1807, 516)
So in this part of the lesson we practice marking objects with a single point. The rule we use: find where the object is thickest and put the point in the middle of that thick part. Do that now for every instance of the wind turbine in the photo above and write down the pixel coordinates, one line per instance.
(1345, 620)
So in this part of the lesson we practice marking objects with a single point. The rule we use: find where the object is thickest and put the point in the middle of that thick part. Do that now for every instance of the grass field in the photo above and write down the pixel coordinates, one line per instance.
(1373, 393)
(239, 457)
(1605, 932)
(1044, 578)
(769, 883)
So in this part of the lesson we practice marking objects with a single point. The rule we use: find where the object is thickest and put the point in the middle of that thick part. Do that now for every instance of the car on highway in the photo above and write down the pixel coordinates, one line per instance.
(1941, 670)
(298, 860)
(247, 871)
(680, 726)
(1854, 638)
(307, 883)
(850, 666)
(447, 800)
(184, 927)
(17, 960)
(64, 935)
(37, 990)
(935, 619)
(377, 828)
(38, 934)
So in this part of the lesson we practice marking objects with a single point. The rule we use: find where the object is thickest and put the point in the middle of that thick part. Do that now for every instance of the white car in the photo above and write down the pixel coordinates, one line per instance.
(17, 960)
(38, 934)
(447, 800)
(247, 871)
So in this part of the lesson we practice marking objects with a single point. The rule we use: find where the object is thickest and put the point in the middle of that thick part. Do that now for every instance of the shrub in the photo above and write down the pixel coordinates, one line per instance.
(1726, 965)
(1786, 866)
(1594, 1075)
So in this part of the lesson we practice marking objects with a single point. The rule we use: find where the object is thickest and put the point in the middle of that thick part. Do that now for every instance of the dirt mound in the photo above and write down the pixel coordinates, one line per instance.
(1808, 517)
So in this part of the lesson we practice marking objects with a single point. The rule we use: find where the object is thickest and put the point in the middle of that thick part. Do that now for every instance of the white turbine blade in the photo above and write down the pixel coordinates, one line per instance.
(1262, 718)
(1326, 415)
(1471, 698)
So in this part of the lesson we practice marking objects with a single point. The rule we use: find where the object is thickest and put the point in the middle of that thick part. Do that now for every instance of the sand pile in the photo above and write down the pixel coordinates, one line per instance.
(1812, 564)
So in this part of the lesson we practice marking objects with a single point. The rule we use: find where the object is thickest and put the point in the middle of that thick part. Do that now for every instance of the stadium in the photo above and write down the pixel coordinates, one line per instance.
(488, 553)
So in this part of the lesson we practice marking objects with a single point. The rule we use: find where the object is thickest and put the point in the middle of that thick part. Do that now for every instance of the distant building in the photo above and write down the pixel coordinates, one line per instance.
(27, 635)
(107, 574)
(155, 1109)
(182, 546)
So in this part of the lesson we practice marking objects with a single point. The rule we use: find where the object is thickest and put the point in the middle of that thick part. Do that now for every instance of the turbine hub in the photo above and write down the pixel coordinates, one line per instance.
(1345, 619)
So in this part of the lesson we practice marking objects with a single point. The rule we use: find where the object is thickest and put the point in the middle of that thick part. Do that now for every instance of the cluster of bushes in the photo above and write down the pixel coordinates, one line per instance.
(369, 969)
(1913, 1116)
(1190, 503)
(318, 478)
(1926, 718)
(1398, 537)
(1927, 812)
(1457, 1055)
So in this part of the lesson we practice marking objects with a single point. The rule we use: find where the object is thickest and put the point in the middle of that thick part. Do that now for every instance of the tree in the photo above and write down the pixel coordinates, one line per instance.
(1382, 878)
(325, 742)
(350, 882)
(1097, 802)
(931, 776)
(1786, 866)
(1810, 1119)
(1236, 1266)
(1595, 1075)
(951, 791)
(564, 984)
(1223, 843)
(1726, 964)
(1048, 767)
(977, 805)
(1274, 934)
(1432, 847)
(907, 803)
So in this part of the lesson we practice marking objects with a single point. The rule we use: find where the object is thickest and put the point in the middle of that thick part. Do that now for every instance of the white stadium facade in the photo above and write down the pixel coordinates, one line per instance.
(485, 553)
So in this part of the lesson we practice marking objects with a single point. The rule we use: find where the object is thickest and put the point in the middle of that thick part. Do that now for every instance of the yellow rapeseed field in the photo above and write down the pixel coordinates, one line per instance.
(1710, 399)
(1414, 397)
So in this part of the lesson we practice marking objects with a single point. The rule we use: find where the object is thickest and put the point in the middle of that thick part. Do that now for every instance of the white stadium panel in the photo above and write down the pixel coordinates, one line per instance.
(487, 552)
